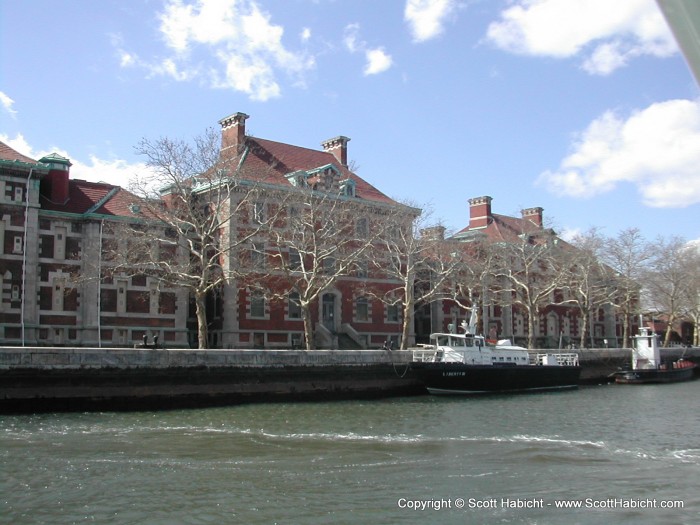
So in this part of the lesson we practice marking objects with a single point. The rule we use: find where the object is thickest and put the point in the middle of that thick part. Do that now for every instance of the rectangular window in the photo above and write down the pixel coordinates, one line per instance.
(362, 270)
(259, 212)
(19, 193)
(362, 309)
(294, 259)
(17, 248)
(328, 265)
(258, 256)
(293, 306)
(361, 227)
(257, 305)
(392, 313)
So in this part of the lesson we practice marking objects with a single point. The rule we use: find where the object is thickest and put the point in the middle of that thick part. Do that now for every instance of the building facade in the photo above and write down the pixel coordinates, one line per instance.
(56, 288)
(53, 288)
(556, 324)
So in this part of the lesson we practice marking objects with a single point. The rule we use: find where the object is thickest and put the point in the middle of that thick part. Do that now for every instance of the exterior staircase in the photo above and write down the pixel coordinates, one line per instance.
(345, 342)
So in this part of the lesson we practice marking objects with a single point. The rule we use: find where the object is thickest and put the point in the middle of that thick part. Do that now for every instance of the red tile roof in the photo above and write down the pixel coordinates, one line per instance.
(94, 197)
(503, 228)
(269, 161)
(7, 153)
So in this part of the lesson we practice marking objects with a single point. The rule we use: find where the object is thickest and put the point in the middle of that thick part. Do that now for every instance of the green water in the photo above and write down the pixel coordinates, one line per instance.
(404, 460)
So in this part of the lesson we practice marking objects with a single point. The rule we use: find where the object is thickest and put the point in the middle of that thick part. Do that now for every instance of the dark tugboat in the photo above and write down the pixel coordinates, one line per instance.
(647, 366)
(465, 364)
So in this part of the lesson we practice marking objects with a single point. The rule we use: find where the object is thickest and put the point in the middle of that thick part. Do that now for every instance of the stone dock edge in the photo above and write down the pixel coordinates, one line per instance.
(43, 379)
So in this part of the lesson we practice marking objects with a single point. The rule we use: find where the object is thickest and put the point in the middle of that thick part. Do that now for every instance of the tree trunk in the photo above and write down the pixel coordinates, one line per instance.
(202, 328)
(669, 329)
(584, 328)
(407, 322)
(530, 330)
(625, 330)
(308, 326)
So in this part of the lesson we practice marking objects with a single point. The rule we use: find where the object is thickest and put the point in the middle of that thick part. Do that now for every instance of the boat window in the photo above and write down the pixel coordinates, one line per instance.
(442, 340)
(508, 358)
(500, 358)
(469, 341)
(493, 358)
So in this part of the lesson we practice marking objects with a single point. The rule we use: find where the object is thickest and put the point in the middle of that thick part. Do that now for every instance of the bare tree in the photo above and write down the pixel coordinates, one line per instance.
(588, 280)
(414, 254)
(188, 199)
(668, 281)
(628, 254)
(529, 271)
(691, 292)
(321, 236)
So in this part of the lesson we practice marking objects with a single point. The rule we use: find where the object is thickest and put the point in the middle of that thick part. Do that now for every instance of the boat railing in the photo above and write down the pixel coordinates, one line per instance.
(563, 359)
(433, 354)
(425, 354)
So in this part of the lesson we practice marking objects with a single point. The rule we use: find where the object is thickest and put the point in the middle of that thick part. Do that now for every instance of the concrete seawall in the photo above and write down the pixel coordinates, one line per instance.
(64, 379)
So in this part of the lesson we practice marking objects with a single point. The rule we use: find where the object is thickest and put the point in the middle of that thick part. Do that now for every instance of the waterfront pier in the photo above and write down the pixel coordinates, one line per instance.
(42, 379)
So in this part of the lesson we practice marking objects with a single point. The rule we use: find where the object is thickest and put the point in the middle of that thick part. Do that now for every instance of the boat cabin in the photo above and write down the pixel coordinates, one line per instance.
(470, 349)
(646, 351)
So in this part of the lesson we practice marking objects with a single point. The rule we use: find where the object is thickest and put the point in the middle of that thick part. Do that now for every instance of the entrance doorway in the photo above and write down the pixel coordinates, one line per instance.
(328, 311)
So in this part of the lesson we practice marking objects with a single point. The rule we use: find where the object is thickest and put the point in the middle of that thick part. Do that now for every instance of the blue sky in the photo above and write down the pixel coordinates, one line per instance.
(583, 107)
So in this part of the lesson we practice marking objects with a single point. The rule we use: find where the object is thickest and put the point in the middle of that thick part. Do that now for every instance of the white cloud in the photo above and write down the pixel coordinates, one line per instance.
(656, 149)
(7, 103)
(350, 35)
(607, 34)
(19, 144)
(113, 171)
(232, 44)
(426, 17)
(377, 61)
(305, 34)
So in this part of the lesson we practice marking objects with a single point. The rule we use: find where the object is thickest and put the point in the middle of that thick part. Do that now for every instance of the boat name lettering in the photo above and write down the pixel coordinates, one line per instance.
(453, 374)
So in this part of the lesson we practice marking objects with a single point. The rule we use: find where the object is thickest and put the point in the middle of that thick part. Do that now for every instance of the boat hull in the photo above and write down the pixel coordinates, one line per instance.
(652, 376)
(461, 379)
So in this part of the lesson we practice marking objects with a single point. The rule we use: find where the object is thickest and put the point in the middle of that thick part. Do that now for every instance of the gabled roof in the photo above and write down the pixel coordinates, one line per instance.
(269, 161)
(11, 155)
(95, 197)
(501, 228)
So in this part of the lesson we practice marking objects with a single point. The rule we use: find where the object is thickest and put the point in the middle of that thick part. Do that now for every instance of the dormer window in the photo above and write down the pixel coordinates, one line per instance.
(347, 187)
(323, 178)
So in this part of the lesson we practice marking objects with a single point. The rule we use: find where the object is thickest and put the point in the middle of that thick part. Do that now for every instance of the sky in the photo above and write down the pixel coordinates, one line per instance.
(585, 108)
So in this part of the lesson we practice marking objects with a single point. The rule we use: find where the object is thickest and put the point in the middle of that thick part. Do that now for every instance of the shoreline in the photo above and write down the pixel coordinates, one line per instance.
(59, 379)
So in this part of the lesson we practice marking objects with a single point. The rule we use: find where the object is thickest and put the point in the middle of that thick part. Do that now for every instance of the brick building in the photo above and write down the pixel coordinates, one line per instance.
(343, 316)
(555, 324)
(55, 288)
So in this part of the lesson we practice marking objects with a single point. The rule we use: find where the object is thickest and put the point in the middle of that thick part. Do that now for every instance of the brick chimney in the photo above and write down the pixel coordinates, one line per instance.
(534, 215)
(433, 233)
(233, 131)
(55, 185)
(338, 146)
(479, 212)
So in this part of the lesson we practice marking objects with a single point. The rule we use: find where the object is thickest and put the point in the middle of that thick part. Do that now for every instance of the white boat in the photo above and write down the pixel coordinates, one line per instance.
(647, 366)
(466, 364)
